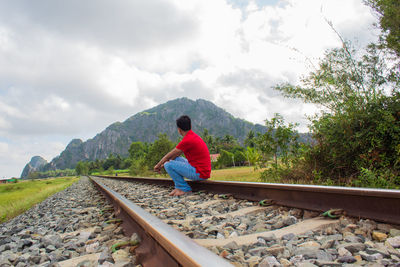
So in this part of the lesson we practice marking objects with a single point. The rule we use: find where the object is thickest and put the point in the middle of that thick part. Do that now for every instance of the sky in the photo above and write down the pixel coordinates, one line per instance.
(68, 69)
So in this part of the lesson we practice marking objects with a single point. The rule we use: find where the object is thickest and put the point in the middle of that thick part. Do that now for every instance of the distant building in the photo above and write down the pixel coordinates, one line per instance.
(214, 157)
(8, 180)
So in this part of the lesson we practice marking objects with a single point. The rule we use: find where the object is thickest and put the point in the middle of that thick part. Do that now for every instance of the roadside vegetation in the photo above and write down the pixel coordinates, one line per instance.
(16, 198)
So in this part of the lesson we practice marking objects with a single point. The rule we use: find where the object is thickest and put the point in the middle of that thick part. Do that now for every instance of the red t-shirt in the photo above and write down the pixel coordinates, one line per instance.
(196, 152)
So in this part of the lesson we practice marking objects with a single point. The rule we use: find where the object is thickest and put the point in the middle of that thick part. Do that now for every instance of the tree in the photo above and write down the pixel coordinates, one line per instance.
(250, 140)
(239, 157)
(360, 95)
(228, 142)
(388, 12)
(112, 161)
(209, 140)
(158, 149)
(225, 159)
(138, 150)
(82, 168)
(345, 81)
(253, 156)
(278, 138)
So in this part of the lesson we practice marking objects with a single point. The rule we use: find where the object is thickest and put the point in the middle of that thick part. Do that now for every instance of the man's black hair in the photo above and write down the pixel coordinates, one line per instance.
(184, 123)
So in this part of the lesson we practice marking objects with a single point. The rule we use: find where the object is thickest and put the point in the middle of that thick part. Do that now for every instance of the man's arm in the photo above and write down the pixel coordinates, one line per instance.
(170, 155)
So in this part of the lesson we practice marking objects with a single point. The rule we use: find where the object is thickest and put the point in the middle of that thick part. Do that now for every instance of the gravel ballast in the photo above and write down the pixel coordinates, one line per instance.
(68, 225)
(350, 242)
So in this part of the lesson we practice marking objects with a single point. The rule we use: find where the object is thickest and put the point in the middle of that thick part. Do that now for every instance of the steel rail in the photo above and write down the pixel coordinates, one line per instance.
(378, 204)
(161, 245)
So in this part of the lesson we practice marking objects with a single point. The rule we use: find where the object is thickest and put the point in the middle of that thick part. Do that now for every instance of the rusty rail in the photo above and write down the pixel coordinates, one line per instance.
(161, 245)
(378, 204)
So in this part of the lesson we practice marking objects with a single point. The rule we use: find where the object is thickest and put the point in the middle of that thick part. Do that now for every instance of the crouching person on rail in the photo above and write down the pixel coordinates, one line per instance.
(196, 166)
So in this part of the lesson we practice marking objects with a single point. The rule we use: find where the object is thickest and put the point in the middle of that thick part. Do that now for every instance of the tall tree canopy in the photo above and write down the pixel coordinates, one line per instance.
(389, 20)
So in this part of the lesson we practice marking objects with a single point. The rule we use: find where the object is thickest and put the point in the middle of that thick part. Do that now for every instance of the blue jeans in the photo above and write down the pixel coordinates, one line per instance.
(179, 168)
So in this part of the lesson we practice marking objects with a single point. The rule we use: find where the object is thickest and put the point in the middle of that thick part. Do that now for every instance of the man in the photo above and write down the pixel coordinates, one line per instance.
(196, 166)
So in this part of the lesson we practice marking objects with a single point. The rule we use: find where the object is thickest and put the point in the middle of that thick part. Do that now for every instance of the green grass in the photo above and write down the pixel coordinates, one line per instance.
(243, 174)
(19, 197)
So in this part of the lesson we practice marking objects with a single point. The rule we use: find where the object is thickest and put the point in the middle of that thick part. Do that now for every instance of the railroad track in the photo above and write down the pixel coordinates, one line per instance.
(254, 224)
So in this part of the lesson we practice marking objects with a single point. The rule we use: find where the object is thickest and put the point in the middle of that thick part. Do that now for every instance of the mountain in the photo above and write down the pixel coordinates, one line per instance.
(35, 164)
(145, 127)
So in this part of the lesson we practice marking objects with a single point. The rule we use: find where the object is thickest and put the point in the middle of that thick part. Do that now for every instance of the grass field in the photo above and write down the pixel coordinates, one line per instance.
(19, 197)
(242, 174)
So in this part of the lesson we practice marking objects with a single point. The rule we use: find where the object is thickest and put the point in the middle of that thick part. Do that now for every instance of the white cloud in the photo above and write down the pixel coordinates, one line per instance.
(70, 68)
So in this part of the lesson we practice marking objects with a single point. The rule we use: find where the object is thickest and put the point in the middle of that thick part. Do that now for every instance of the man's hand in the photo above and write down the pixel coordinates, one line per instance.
(171, 155)
(157, 168)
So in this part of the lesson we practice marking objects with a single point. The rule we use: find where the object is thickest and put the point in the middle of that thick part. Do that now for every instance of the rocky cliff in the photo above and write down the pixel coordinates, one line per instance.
(35, 164)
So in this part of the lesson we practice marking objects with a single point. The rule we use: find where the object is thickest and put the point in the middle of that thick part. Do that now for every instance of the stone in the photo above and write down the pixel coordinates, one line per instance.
(324, 256)
(306, 264)
(353, 247)
(34, 259)
(123, 264)
(278, 225)
(253, 261)
(369, 244)
(295, 260)
(85, 263)
(344, 252)
(394, 232)
(261, 241)
(118, 231)
(103, 238)
(109, 228)
(309, 244)
(368, 257)
(50, 248)
(220, 236)
(242, 226)
(268, 238)
(344, 221)
(328, 244)
(284, 262)
(346, 259)
(4, 262)
(10, 256)
(269, 261)
(384, 252)
(120, 255)
(257, 251)
(368, 225)
(353, 239)
(275, 250)
(327, 263)
(394, 241)
(24, 243)
(307, 252)
(289, 236)
(289, 220)
(358, 258)
(337, 237)
(54, 240)
(360, 232)
(231, 245)
(379, 236)
(92, 248)
(384, 227)
(233, 234)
